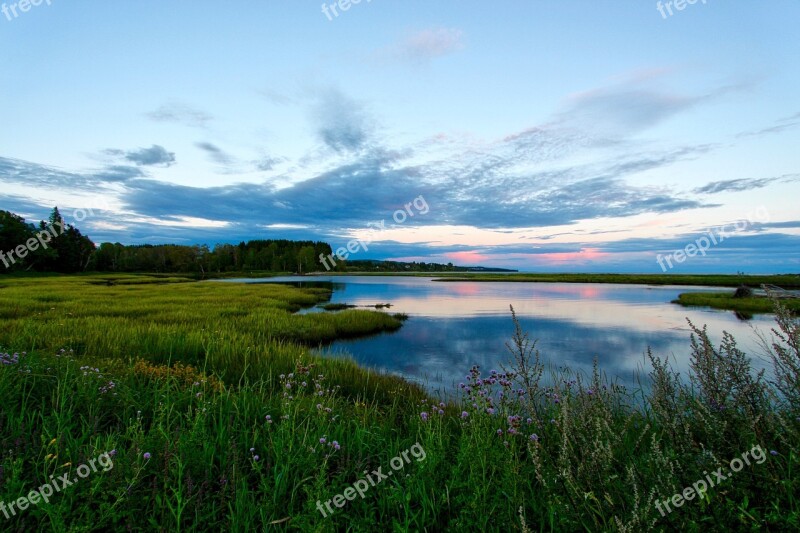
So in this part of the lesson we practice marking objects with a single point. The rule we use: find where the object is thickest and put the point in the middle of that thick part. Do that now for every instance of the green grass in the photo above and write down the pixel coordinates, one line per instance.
(602, 457)
(725, 300)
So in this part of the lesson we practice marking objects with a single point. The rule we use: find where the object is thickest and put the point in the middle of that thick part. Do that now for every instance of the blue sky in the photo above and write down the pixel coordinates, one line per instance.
(543, 136)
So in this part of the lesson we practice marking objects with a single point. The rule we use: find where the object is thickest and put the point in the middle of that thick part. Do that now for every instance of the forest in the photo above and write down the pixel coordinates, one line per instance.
(69, 251)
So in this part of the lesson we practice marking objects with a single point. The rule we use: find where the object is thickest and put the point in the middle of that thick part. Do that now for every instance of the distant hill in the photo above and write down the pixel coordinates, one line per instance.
(367, 265)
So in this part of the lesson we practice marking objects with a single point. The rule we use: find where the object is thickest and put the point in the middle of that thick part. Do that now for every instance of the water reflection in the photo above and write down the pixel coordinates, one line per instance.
(454, 325)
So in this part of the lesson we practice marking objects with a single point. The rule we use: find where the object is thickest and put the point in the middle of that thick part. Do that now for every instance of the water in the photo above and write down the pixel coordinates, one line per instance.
(454, 325)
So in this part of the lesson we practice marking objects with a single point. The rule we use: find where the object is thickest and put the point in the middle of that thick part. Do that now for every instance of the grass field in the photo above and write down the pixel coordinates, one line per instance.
(725, 300)
(217, 416)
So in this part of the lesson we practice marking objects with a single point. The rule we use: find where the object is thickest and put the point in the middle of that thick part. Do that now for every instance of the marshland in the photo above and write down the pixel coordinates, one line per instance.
(222, 385)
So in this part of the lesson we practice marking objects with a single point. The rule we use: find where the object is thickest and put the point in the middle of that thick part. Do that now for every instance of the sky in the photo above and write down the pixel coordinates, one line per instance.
(578, 136)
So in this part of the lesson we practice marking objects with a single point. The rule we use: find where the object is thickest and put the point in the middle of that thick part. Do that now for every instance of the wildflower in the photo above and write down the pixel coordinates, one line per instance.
(319, 406)
(256, 458)
(490, 410)
(303, 384)
(534, 437)
(424, 416)
(529, 421)
(773, 452)
(322, 440)
(499, 432)
(252, 450)
(335, 445)
(147, 456)
(464, 414)
(112, 453)
(552, 420)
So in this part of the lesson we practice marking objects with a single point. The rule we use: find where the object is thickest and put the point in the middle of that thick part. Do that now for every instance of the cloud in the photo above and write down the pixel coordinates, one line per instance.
(277, 97)
(36, 175)
(341, 122)
(154, 156)
(424, 45)
(631, 106)
(577, 166)
(621, 110)
(780, 126)
(739, 185)
(267, 163)
(216, 154)
(116, 174)
(181, 114)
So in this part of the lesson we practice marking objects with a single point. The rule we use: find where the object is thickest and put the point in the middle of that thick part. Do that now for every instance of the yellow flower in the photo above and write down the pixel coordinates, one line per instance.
(65, 465)
(53, 442)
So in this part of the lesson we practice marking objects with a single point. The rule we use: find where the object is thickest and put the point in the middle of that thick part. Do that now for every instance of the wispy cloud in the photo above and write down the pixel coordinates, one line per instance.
(739, 185)
(267, 163)
(424, 45)
(341, 122)
(781, 125)
(154, 156)
(180, 113)
(218, 155)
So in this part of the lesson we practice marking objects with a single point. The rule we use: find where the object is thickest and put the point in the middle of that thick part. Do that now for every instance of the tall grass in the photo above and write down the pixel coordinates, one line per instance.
(235, 439)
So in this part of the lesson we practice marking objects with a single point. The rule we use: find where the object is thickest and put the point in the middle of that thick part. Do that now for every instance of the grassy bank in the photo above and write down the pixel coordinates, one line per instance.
(726, 300)
(257, 430)
(787, 281)
(229, 329)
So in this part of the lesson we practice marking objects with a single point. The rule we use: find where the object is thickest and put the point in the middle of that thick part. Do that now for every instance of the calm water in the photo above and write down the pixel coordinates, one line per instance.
(454, 325)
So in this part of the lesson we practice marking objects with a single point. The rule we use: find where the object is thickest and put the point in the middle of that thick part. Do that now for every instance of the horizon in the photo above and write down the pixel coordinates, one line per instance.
(543, 140)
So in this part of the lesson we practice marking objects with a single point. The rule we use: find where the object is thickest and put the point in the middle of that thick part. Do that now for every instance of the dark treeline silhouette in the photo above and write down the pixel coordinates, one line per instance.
(269, 255)
(52, 246)
(60, 247)
(373, 265)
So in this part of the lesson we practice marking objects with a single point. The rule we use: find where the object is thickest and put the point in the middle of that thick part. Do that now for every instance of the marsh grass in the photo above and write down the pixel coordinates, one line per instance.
(729, 301)
(216, 382)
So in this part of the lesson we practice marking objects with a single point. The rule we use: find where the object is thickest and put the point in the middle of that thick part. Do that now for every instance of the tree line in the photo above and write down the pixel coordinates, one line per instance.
(71, 252)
